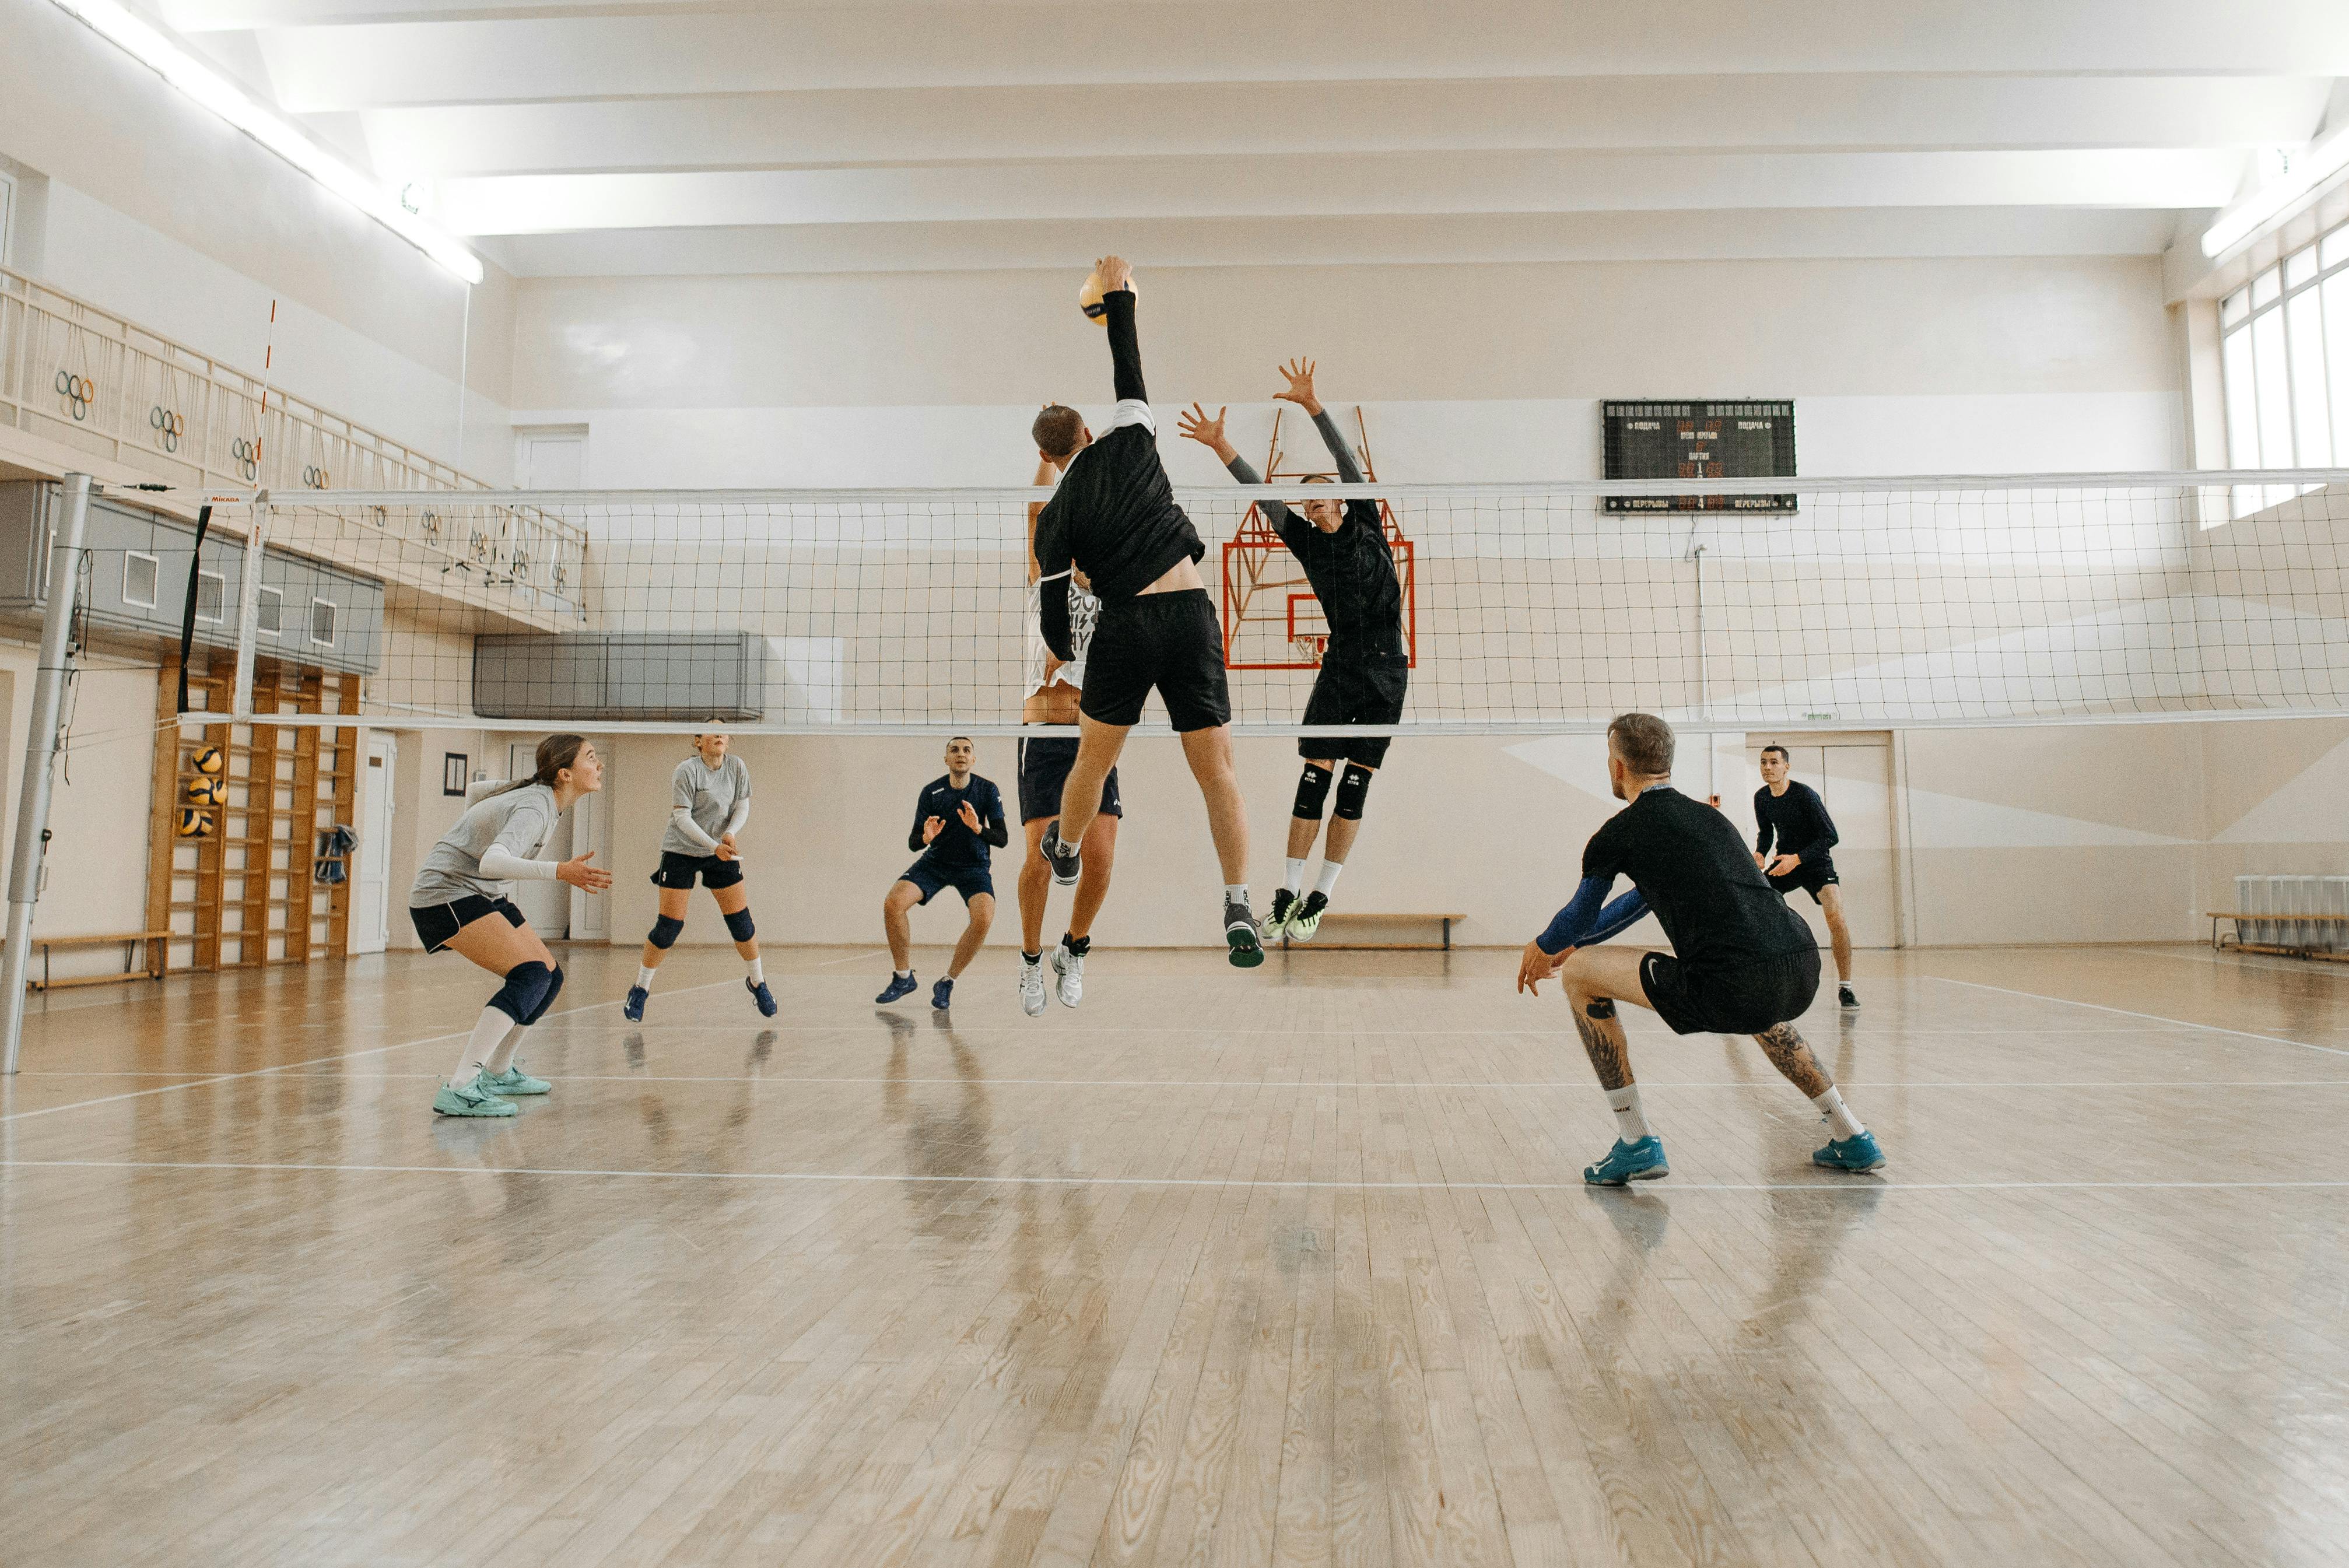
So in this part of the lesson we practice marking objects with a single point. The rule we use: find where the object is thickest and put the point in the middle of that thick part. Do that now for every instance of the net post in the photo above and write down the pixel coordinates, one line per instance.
(40, 757)
(248, 610)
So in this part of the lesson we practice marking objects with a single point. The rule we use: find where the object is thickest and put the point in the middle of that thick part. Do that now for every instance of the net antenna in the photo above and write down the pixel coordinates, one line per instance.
(1272, 621)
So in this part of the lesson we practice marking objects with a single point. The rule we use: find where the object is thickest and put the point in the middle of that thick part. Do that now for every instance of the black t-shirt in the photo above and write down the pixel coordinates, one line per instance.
(957, 848)
(1352, 568)
(1712, 900)
(1797, 819)
(1115, 514)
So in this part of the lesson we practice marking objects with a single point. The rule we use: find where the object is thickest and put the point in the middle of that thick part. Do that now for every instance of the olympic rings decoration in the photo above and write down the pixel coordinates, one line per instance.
(248, 457)
(169, 424)
(79, 390)
(316, 478)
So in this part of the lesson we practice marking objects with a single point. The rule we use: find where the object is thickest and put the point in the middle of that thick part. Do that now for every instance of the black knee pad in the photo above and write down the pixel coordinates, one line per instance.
(1599, 1007)
(1352, 785)
(665, 932)
(554, 989)
(1312, 790)
(525, 987)
(738, 922)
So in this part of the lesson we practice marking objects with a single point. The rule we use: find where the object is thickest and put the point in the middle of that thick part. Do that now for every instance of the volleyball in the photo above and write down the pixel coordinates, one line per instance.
(194, 823)
(208, 760)
(1089, 299)
(207, 791)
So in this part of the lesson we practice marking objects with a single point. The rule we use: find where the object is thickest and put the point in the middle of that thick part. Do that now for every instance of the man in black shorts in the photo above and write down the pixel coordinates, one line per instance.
(1114, 519)
(1794, 819)
(1365, 668)
(957, 821)
(1742, 962)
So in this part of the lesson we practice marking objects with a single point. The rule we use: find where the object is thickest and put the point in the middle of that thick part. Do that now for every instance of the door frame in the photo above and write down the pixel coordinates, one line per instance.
(1893, 742)
(383, 743)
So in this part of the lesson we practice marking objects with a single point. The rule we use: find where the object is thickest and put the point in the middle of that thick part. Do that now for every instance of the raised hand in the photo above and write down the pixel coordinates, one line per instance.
(581, 875)
(1194, 424)
(1114, 272)
(1300, 372)
(932, 827)
(970, 818)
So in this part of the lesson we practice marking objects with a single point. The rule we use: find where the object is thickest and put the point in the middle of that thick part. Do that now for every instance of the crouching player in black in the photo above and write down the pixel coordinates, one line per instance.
(1365, 669)
(1742, 962)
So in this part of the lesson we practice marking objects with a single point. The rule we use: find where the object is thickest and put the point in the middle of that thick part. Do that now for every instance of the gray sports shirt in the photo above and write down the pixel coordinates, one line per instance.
(709, 794)
(519, 820)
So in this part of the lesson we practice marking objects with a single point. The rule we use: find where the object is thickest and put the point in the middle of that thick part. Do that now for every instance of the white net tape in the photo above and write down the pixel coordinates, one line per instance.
(1530, 608)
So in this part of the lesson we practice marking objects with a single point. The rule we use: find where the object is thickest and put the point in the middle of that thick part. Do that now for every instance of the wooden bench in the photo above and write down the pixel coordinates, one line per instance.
(158, 958)
(2240, 945)
(1343, 918)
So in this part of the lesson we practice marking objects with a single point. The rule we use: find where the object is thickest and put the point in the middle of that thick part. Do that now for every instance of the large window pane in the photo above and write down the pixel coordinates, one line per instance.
(2336, 356)
(2234, 307)
(2265, 287)
(2300, 267)
(2272, 373)
(2312, 425)
(2242, 402)
(2335, 247)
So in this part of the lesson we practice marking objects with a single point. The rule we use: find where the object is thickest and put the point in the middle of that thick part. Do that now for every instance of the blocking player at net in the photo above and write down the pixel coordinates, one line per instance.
(1365, 668)
(1795, 820)
(957, 825)
(1050, 697)
(1114, 519)
(710, 801)
(1742, 963)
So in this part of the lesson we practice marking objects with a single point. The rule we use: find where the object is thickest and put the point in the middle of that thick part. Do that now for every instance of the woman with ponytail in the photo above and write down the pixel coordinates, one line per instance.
(460, 901)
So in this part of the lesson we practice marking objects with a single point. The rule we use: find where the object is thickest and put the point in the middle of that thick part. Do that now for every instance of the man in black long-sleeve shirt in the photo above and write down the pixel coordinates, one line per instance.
(1793, 846)
(1365, 668)
(1113, 516)
(957, 822)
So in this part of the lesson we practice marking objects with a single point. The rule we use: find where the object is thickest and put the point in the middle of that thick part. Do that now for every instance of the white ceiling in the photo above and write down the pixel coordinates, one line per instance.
(697, 135)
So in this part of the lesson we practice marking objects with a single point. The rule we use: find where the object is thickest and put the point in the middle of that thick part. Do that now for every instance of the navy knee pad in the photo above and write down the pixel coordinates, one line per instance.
(738, 922)
(1352, 785)
(665, 932)
(525, 987)
(1312, 790)
(554, 989)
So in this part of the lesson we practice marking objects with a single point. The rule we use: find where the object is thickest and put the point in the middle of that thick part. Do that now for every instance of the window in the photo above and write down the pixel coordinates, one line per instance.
(140, 573)
(323, 613)
(2285, 363)
(7, 216)
(269, 615)
(212, 597)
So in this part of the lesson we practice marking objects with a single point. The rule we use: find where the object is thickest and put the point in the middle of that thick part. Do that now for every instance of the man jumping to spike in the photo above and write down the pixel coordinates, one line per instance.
(1114, 519)
(1742, 962)
(1365, 669)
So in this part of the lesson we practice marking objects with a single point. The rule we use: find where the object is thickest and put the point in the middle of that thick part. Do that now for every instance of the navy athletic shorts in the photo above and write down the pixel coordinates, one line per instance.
(1044, 764)
(968, 880)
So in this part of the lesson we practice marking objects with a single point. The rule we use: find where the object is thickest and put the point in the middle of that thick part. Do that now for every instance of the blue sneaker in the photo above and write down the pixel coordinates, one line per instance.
(633, 1009)
(1629, 1162)
(899, 986)
(761, 995)
(1859, 1152)
(942, 995)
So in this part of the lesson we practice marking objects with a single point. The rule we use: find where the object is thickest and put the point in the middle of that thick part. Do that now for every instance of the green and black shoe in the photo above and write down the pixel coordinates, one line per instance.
(1307, 918)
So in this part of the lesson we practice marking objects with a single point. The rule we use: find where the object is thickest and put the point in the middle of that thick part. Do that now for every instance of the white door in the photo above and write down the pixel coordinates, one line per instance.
(371, 899)
(545, 904)
(551, 458)
(1855, 779)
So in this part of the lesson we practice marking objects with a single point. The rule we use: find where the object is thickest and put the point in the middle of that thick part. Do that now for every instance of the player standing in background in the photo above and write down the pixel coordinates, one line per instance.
(1050, 697)
(957, 822)
(710, 800)
(1365, 668)
(1793, 816)
(1114, 519)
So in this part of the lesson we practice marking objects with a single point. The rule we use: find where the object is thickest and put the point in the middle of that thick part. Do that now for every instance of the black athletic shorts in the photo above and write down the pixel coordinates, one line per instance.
(1169, 641)
(968, 881)
(1044, 763)
(436, 923)
(1810, 876)
(1355, 688)
(1745, 1000)
(678, 871)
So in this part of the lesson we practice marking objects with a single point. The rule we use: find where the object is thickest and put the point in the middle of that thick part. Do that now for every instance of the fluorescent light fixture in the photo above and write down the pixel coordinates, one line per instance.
(2318, 164)
(237, 107)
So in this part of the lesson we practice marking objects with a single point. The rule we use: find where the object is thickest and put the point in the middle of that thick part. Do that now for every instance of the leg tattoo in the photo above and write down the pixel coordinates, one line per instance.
(1602, 1037)
(1787, 1051)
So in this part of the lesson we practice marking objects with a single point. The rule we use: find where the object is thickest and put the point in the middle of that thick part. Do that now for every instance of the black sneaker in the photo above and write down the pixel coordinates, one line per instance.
(1846, 998)
(1282, 903)
(1064, 859)
(1240, 935)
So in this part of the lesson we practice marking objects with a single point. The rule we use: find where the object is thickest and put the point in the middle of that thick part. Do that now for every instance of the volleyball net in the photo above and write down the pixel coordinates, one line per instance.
(1814, 604)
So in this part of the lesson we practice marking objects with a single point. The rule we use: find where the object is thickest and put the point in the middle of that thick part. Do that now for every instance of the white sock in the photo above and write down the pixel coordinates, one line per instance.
(1840, 1121)
(1236, 892)
(903, 974)
(1631, 1125)
(1296, 880)
(757, 971)
(488, 1029)
(503, 1058)
(1329, 877)
(645, 977)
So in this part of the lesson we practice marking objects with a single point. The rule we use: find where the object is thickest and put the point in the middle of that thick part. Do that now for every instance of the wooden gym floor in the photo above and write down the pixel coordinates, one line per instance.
(1287, 1267)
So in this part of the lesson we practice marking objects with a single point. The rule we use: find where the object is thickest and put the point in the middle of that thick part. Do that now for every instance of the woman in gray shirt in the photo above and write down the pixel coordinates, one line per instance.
(460, 901)
(710, 800)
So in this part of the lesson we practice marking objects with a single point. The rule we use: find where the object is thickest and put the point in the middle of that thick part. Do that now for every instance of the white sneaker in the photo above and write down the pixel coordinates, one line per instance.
(1070, 969)
(1031, 986)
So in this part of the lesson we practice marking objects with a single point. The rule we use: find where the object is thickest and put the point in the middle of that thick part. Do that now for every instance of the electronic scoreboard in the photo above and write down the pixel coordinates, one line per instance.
(1691, 440)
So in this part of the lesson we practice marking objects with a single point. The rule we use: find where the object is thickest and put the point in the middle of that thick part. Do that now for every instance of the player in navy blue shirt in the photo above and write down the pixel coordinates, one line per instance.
(957, 824)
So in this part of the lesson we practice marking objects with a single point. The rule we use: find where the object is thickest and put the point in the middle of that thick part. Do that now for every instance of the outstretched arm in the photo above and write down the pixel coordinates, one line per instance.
(1195, 425)
(1583, 923)
(1300, 372)
(1124, 346)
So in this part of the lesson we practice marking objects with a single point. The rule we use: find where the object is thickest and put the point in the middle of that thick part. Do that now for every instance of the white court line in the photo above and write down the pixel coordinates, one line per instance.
(908, 1179)
(1894, 1033)
(2153, 1017)
(1772, 1086)
(292, 1067)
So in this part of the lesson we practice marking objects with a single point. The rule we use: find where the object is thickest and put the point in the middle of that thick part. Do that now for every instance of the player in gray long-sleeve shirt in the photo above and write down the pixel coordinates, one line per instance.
(1365, 668)
(709, 796)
